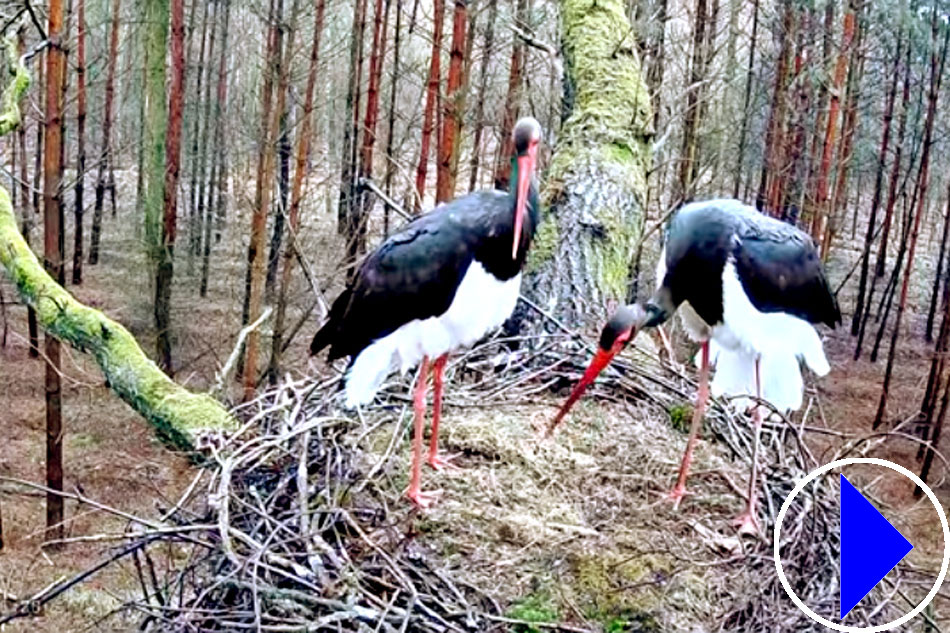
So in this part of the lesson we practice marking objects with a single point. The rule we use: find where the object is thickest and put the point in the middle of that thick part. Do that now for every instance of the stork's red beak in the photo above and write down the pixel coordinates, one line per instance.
(601, 359)
(525, 172)
(597, 364)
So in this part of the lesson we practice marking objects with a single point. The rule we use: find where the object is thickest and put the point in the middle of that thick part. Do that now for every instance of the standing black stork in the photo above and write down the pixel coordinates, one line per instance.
(442, 282)
(749, 289)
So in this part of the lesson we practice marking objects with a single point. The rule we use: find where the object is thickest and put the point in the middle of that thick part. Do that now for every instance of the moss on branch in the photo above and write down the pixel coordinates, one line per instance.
(182, 419)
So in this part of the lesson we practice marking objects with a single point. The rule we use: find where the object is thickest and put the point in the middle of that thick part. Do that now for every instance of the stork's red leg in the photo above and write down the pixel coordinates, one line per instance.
(415, 494)
(435, 460)
(679, 490)
(748, 521)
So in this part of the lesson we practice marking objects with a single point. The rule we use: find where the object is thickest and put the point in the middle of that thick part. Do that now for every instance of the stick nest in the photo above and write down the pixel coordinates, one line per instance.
(303, 526)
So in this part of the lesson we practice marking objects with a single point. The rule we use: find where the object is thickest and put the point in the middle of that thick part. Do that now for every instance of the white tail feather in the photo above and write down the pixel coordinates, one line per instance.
(368, 372)
(779, 365)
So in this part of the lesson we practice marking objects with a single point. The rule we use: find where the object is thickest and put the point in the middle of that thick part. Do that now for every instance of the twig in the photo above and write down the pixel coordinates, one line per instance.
(222, 377)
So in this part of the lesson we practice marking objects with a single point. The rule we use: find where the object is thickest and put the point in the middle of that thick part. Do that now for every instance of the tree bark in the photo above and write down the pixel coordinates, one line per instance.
(596, 184)
(377, 54)
(391, 122)
(694, 96)
(104, 178)
(776, 123)
(349, 223)
(939, 273)
(432, 94)
(53, 248)
(165, 271)
(80, 140)
(265, 176)
(26, 211)
(513, 103)
(849, 128)
(283, 150)
(199, 143)
(820, 217)
(296, 193)
(744, 126)
(479, 119)
(217, 187)
(453, 107)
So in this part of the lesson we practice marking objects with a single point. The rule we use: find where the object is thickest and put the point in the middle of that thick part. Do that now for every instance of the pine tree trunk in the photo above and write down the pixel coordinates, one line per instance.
(53, 249)
(876, 195)
(479, 119)
(391, 121)
(774, 132)
(432, 94)
(453, 107)
(197, 146)
(348, 220)
(283, 151)
(939, 273)
(747, 97)
(657, 64)
(818, 129)
(80, 140)
(296, 193)
(176, 104)
(53, 262)
(155, 130)
(217, 187)
(694, 96)
(579, 264)
(40, 137)
(26, 211)
(512, 104)
(820, 217)
(895, 167)
(104, 169)
(849, 128)
(936, 74)
(935, 440)
(377, 55)
(265, 177)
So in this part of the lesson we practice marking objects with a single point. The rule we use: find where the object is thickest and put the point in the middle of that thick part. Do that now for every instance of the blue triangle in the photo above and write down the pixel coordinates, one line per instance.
(870, 547)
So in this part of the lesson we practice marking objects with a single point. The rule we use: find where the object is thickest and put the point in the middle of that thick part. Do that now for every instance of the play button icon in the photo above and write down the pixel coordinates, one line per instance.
(870, 546)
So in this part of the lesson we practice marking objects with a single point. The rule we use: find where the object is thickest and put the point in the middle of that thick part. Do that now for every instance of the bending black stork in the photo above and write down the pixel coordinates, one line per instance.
(442, 282)
(749, 288)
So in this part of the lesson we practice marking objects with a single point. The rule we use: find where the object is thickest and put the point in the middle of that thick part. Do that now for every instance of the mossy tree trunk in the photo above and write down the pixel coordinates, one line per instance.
(595, 188)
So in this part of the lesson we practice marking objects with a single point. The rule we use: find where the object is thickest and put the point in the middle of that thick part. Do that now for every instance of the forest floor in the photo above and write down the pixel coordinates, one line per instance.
(574, 531)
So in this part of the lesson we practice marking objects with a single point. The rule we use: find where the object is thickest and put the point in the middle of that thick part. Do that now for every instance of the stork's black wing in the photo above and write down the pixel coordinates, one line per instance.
(780, 271)
(776, 263)
(413, 275)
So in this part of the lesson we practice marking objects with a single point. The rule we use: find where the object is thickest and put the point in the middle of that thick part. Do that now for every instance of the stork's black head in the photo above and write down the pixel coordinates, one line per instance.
(526, 136)
(620, 329)
(621, 326)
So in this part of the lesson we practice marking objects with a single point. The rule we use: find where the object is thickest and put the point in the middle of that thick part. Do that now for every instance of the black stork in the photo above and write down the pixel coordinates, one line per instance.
(749, 288)
(442, 282)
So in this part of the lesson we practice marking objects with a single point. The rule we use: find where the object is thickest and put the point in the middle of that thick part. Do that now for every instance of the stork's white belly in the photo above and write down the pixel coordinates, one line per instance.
(482, 303)
(779, 340)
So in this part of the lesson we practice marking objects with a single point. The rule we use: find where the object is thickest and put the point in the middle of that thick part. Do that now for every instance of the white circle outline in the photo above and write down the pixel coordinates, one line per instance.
(847, 462)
